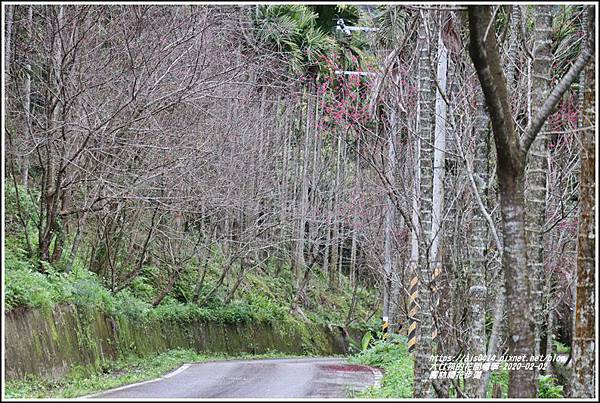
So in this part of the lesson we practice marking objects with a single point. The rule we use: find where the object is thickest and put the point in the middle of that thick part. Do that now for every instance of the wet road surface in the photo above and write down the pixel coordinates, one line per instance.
(272, 378)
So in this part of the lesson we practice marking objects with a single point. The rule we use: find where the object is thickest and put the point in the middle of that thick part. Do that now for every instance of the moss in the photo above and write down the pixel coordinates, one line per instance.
(54, 332)
(87, 338)
(37, 346)
(72, 319)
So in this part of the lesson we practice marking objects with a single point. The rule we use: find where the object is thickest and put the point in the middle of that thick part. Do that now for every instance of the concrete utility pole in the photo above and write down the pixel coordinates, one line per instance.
(341, 26)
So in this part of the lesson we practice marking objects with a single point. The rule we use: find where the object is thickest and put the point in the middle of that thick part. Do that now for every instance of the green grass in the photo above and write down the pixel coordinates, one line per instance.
(498, 377)
(261, 298)
(25, 286)
(127, 370)
(393, 358)
(561, 348)
(124, 371)
(548, 388)
(547, 385)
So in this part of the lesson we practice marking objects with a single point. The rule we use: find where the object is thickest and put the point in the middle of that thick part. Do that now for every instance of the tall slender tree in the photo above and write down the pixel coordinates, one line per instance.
(512, 151)
(536, 168)
(584, 340)
(425, 133)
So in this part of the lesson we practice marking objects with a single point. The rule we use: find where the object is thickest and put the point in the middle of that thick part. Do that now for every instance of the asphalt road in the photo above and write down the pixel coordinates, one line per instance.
(272, 378)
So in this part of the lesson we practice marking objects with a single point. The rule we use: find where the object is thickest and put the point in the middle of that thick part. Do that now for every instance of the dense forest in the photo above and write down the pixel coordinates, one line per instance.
(423, 170)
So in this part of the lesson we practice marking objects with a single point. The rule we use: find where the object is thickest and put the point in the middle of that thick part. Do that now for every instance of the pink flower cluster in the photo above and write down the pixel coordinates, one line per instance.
(343, 97)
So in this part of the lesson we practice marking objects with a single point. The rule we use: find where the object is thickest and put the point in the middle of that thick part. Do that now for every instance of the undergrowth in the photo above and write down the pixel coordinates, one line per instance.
(265, 294)
(261, 299)
(397, 364)
(392, 357)
(548, 386)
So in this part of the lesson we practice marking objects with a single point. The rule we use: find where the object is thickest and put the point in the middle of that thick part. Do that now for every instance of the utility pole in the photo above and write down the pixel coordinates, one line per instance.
(347, 29)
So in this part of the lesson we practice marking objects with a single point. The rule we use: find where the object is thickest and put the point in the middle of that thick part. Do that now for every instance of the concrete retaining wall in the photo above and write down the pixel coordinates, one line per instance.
(49, 344)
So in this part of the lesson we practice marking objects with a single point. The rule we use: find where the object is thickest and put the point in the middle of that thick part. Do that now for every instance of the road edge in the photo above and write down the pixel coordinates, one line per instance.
(378, 375)
(168, 375)
(376, 372)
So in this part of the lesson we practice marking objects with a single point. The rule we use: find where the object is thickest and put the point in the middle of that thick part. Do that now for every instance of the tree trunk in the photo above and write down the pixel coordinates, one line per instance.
(537, 167)
(51, 192)
(511, 153)
(300, 261)
(484, 52)
(515, 23)
(479, 236)
(8, 41)
(422, 383)
(584, 341)
(439, 170)
(27, 101)
(414, 251)
(335, 245)
(549, 347)
(327, 252)
(201, 274)
(495, 335)
(170, 283)
(388, 225)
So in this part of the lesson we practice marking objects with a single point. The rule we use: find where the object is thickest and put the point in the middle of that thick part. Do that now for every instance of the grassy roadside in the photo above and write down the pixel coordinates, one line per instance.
(397, 365)
(127, 370)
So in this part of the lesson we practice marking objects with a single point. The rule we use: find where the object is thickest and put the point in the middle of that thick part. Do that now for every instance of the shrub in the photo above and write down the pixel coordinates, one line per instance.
(23, 284)
(141, 288)
(498, 377)
(548, 387)
(85, 291)
(560, 347)
(26, 287)
(125, 303)
(391, 355)
(265, 309)
(26, 204)
(170, 309)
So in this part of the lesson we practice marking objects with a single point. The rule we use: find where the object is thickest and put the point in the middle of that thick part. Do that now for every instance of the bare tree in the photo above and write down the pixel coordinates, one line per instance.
(511, 152)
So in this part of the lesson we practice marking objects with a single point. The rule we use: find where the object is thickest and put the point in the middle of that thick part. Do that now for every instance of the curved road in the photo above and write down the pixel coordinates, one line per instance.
(272, 378)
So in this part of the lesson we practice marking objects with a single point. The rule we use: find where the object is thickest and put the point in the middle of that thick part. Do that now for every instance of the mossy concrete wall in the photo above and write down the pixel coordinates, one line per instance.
(50, 343)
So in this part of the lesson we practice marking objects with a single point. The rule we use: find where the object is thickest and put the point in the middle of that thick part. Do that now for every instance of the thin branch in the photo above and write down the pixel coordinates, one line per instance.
(556, 94)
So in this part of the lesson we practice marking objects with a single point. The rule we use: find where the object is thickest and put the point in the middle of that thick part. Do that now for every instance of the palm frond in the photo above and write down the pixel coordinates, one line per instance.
(391, 21)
